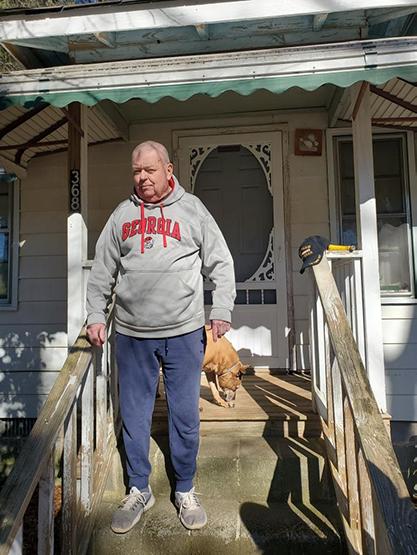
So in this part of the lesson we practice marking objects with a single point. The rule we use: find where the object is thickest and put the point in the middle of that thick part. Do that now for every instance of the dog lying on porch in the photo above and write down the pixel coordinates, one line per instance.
(223, 369)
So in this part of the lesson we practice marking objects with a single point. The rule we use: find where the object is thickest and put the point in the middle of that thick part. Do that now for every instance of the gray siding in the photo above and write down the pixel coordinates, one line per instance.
(33, 338)
(400, 349)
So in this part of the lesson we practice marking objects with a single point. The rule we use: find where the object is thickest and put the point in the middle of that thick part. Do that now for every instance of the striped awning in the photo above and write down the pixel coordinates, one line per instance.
(275, 70)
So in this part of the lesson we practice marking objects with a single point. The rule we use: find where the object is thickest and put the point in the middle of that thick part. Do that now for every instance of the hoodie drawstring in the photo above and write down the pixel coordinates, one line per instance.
(164, 237)
(142, 228)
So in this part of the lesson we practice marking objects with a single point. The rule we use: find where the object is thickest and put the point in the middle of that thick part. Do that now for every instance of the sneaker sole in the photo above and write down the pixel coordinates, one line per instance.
(193, 527)
(148, 506)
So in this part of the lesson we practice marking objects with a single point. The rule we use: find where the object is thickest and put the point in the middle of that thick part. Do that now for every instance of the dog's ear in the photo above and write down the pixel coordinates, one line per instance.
(244, 367)
(211, 367)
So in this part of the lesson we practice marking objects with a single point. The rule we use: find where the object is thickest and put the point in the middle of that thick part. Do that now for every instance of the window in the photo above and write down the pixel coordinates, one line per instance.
(7, 296)
(393, 209)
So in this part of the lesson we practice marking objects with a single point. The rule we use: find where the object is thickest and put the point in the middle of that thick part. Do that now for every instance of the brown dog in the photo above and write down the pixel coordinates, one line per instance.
(223, 369)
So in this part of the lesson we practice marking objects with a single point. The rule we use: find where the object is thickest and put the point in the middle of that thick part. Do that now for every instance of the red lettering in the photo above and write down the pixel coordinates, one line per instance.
(160, 226)
(151, 225)
(125, 231)
(142, 225)
(168, 227)
(176, 232)
(134, 228)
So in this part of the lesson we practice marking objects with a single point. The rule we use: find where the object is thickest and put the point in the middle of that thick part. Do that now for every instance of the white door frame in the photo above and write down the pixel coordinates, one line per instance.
(254, 135)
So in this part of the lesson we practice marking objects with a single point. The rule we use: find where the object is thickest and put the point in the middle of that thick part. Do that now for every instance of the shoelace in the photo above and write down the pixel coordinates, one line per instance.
(131, 501)
(189, 502)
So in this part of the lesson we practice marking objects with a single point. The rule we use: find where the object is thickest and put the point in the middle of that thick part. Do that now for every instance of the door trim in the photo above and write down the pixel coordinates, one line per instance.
(277, 135)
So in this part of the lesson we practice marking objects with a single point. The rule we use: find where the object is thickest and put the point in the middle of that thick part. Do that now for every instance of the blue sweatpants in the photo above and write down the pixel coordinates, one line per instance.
(139, 360)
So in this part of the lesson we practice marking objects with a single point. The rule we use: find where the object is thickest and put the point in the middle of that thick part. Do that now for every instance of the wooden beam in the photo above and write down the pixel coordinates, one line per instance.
(395, 99)
(30, 144)
(111, 114)
(169, 14)
(53, 44)
(363, 90)
(77, 217)
(59, 150)
(26, 116)
(74, 122)
(338, 104)
(108, 39)
(319, 20)
(12, 167)
(392, 14)
(39, 137)
(202, 31)
(367, 235)
(390, 120)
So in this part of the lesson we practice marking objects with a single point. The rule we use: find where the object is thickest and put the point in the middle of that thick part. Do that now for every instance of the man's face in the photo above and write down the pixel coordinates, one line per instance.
(151, 176)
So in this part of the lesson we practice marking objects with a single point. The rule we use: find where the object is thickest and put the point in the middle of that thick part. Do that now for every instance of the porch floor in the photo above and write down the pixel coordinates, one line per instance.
(276, 401)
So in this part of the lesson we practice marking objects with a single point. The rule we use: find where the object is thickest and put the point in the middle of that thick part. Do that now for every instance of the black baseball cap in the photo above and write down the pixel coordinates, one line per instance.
(311, 250)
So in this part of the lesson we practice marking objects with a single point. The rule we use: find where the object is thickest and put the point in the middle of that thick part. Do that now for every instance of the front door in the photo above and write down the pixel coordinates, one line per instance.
(239, 178)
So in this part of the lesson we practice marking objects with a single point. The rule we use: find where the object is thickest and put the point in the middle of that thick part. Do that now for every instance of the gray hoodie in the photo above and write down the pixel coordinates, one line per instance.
(158, 253)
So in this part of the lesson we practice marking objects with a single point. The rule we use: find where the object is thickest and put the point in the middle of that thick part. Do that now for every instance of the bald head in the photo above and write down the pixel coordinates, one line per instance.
(151, 145)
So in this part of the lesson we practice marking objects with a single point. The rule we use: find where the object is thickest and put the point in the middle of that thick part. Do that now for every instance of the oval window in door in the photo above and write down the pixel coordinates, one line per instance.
(233, 186)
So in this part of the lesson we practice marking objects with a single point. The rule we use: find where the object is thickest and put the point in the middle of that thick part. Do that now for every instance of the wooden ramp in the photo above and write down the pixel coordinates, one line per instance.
(278, 403)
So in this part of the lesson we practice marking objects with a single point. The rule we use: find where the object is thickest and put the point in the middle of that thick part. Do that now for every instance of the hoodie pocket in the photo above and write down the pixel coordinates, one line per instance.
(158, 300)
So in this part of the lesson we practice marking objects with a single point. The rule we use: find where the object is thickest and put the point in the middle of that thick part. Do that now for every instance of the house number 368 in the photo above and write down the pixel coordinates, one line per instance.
(75, 191)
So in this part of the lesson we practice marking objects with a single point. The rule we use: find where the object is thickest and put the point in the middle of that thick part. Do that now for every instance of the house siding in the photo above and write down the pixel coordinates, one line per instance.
(33, 338)
(400, 349)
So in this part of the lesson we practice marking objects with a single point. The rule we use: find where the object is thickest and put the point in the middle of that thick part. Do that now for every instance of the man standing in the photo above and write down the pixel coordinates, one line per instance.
(155, 248)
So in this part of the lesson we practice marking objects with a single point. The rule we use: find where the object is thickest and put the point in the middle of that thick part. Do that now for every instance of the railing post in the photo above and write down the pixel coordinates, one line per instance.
(46, 507)
(87, 439)
(355, 523)
(69, 482)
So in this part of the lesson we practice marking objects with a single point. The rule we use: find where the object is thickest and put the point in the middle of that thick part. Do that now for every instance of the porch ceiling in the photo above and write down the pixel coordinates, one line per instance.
(393, 105)
(25, 133)
(129, 29)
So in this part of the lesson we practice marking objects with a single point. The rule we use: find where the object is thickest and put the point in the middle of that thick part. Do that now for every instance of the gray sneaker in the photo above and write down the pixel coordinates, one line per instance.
(190, 512)
(130, 510)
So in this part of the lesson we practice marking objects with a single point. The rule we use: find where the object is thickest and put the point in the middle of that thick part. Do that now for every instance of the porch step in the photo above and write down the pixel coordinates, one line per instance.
(262, 494)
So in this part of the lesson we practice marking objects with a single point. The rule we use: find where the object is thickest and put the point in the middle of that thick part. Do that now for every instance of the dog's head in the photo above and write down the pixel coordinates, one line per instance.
(230, 381)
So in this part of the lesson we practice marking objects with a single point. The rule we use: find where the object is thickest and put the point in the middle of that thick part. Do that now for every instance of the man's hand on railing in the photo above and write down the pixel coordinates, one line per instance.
(96, 334)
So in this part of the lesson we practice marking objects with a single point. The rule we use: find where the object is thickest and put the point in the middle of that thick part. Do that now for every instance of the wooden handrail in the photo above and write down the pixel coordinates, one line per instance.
(35, 463)
(368, 463)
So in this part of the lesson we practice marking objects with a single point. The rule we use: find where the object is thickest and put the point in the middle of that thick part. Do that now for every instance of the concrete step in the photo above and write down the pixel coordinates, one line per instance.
(262, 494)
(233, 528)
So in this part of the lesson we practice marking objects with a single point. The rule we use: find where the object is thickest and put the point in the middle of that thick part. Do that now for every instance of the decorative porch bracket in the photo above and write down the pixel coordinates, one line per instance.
(367, 236)
(77, 217)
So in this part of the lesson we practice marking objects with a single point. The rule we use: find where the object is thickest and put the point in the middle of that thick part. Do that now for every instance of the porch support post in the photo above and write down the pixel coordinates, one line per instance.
(77, 217)
(366, 223)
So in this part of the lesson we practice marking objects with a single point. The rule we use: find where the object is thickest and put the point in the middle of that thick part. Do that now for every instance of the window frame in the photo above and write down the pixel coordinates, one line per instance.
(410, 189)
(11, 302)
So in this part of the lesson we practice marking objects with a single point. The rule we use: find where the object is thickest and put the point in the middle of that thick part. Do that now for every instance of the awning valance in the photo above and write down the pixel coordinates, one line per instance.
(275, 70)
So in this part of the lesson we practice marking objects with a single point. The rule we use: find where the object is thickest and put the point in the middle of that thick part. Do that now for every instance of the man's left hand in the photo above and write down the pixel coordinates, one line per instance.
(219, 328)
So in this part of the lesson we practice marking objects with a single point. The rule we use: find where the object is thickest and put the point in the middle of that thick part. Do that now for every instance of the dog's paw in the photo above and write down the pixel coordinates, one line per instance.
(231, 404)
(221, 403)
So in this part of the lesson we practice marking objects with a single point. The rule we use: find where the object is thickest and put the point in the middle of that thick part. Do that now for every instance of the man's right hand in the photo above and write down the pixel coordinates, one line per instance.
(96, 334)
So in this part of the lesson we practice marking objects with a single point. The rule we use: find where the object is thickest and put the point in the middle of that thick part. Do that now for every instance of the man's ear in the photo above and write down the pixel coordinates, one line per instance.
(169, 170)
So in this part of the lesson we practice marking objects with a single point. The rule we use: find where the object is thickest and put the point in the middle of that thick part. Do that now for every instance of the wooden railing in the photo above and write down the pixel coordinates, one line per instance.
(375, 506)
(75, 432)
